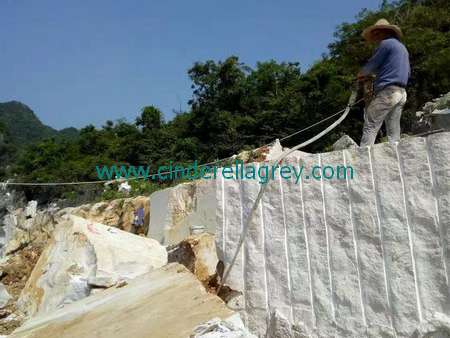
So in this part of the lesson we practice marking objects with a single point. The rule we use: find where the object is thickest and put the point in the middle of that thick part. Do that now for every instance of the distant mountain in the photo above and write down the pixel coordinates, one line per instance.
(69, 133)
(23, 127)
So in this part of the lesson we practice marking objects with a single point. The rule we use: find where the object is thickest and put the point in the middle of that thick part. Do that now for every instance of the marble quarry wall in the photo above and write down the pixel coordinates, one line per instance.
(367, 256)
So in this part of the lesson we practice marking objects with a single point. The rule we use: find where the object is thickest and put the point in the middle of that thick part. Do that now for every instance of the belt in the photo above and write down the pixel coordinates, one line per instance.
(398, 84)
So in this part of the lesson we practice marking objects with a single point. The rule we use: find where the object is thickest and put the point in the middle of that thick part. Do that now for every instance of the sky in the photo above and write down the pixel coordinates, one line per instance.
(76, 62)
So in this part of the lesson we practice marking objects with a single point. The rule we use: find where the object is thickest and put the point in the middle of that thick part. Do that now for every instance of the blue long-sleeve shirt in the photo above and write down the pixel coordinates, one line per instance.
(390, 64)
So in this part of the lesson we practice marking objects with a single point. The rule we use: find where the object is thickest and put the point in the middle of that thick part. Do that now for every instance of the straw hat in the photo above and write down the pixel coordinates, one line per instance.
(381, 24)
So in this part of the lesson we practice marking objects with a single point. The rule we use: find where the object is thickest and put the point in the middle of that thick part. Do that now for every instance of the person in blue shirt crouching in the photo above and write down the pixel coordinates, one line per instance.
(390, 65)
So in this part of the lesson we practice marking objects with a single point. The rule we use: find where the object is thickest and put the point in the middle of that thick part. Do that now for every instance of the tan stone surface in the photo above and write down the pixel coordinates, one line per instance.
(165, 303)
(198, 254)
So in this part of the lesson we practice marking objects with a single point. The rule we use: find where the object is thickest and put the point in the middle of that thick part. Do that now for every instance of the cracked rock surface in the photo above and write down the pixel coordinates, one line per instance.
(82, 254)
(168, 302)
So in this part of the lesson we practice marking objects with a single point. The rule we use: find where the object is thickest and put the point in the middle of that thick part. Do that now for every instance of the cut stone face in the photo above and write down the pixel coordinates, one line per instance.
(175, 211)
(345, 257)
(367, 255)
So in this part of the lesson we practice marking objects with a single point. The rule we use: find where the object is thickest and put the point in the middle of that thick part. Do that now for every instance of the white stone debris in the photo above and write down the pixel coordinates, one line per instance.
(232, 327)
(4, 296)
(124, 187)
(280, 327)
(30, 210)
(23, 226)
(435, 114)
(8, 201)
(8, 228)
(82, 255)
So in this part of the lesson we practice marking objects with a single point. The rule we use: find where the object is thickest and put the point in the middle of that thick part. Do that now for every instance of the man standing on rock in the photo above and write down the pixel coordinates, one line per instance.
(390, 64)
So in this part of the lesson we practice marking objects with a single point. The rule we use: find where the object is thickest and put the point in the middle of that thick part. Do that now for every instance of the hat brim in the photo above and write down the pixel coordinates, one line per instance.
(367, 33)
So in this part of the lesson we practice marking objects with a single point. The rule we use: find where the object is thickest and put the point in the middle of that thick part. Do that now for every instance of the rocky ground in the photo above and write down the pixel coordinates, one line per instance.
(15, 272)
(53, 259)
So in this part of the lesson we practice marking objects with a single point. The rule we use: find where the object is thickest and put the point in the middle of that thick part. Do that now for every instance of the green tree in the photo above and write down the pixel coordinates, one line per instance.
(151, 118)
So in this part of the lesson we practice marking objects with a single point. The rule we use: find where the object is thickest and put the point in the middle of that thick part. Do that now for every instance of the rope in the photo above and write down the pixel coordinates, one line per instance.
(262, 189)
(171, 171)
(53, 183)
(315, 124)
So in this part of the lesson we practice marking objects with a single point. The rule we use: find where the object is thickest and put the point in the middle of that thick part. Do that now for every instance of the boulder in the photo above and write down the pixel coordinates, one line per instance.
(441, 119)
(265, 153)
(441, 102)
(198, 254)
(435, 115)
(344, 142)
(165, 303)
(81, 255)
(24, 226)
(24, 234)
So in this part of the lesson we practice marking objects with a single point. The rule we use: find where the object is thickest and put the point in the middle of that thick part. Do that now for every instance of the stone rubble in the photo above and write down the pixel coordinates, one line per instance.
(264, 153)
(232, 327)
(26, 231)
(435, 114)
(31, 209)
(81, 258)
(279, 326)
